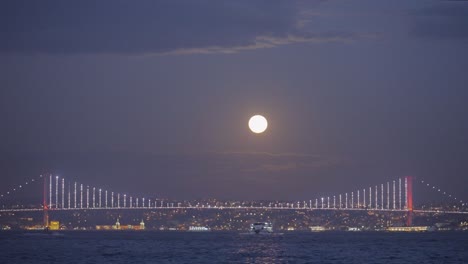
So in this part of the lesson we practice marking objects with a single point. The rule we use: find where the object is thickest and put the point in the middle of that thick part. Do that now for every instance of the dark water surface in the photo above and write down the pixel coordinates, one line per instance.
(230, 247)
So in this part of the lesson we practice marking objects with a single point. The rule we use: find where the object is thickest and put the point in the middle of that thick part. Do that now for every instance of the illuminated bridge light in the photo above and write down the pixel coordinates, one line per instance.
(345, 201)
(444, 193)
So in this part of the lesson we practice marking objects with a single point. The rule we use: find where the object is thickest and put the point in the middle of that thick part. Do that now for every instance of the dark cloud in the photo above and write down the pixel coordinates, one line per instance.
(445, 20)
(140, 27)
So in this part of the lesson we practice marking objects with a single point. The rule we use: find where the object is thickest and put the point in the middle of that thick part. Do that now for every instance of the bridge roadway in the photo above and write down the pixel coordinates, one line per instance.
(229, 208)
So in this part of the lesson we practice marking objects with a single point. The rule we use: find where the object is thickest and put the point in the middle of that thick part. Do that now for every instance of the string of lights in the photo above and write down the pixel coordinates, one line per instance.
(19, 187)
(378, 197)
(81, 197)
(442, 192)
(92, 197)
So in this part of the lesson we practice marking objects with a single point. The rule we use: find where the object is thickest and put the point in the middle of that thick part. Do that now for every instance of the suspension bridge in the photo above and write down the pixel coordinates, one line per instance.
(59, 194)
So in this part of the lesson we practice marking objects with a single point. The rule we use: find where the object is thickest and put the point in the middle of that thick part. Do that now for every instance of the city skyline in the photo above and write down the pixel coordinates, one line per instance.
(155, 97)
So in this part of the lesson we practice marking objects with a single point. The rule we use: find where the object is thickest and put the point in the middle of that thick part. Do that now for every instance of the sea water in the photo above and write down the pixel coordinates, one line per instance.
(232, 247)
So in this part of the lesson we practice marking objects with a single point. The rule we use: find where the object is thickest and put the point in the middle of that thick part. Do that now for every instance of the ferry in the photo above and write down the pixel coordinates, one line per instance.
(199, 229)
(261, 228)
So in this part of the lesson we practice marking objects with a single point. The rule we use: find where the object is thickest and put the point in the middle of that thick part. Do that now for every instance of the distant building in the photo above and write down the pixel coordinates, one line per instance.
(54, 225)
(409, 228)
(118, 226)
(317, 228)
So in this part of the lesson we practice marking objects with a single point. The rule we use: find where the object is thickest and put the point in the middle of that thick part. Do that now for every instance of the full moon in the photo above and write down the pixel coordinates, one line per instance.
(258, 124)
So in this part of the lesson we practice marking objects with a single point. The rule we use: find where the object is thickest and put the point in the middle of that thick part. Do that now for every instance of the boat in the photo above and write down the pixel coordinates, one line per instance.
(199, 229)
(261, 228)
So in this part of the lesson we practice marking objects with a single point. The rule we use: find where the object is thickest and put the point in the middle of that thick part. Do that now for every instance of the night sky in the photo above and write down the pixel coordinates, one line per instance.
(153, 97)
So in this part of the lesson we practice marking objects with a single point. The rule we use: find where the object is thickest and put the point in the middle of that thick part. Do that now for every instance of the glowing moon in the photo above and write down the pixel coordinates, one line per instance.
(258, 124)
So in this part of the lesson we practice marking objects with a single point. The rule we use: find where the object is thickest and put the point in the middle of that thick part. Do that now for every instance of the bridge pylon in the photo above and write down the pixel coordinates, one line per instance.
(45, 206)
(409, 200)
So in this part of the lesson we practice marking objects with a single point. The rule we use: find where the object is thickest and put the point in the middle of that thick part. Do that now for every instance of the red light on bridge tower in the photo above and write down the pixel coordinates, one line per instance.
(45, 207)
(409, 200)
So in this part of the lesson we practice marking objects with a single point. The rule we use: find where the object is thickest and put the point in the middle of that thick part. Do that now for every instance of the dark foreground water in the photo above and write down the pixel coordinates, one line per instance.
(215, 247)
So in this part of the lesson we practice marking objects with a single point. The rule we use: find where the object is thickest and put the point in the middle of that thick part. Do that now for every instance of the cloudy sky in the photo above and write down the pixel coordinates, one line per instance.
(153, 97)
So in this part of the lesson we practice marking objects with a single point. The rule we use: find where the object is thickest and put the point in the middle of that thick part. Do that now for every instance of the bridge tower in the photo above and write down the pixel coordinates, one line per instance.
(409, 200)
(45, 206)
